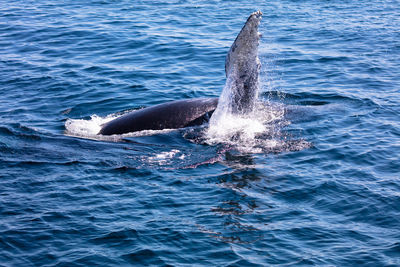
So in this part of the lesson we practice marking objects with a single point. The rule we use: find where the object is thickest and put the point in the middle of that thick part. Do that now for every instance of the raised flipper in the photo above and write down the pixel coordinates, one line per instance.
(242, 67)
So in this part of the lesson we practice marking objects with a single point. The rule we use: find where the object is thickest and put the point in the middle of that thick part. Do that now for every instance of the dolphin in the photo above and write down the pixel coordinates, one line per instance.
(242, 69)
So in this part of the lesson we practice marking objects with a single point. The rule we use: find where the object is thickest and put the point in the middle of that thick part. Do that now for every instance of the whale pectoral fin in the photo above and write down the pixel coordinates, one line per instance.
(242, 67)
(245, 41)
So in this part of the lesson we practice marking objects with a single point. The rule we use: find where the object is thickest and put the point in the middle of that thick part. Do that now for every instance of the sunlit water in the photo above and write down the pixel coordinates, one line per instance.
(311, 178)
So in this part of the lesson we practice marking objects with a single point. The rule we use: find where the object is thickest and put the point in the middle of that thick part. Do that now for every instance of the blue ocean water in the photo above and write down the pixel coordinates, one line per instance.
(323, 191)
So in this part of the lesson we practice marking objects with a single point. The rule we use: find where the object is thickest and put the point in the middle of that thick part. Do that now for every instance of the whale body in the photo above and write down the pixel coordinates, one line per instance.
(170, 115)
(242, 69)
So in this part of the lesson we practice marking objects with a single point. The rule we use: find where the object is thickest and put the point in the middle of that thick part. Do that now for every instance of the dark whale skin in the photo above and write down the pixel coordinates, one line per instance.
(170, 115)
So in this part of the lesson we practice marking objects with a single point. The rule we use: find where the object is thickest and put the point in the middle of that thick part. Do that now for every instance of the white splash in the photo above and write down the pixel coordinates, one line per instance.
(253, 133)
(90, 129)
(86, 128)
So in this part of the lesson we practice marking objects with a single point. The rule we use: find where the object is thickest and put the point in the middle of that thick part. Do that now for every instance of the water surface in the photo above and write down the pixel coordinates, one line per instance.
(171, 198)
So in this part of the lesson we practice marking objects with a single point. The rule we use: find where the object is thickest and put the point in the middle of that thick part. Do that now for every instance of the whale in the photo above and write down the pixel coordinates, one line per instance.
(241, 68)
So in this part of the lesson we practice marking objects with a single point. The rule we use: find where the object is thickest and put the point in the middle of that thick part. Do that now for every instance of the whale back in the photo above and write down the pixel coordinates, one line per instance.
(170, 115)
